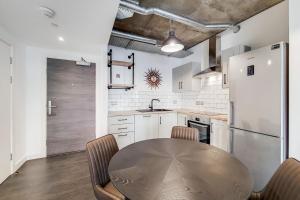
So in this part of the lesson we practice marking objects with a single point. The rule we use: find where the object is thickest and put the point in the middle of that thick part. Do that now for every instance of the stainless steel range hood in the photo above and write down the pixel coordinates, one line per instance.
(211, 58)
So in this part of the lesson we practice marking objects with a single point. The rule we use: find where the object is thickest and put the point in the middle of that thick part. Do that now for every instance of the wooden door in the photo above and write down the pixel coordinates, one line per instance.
(5, 111)
(70, 106)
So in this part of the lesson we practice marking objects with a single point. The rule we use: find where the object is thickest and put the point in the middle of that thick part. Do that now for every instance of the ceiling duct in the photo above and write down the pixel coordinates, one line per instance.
(124, 13)
(134, 37)
(139, 43)
(157, 11)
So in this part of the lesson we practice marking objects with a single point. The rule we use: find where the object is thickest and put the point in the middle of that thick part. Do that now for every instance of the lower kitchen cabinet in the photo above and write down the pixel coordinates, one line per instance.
(146, 127)
(182, 119)
(122, 128)
(219, 135)
(124, 139)
(166, 122)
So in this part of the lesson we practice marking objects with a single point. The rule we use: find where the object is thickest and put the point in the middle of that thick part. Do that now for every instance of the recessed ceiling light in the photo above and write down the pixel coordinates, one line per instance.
(60, 38)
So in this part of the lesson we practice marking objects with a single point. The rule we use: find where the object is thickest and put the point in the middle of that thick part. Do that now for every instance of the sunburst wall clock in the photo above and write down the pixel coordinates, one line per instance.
(153, 78)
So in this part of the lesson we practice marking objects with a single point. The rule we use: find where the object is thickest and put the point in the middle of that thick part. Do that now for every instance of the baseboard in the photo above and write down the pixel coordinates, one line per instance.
(37, 156)
(19, 163)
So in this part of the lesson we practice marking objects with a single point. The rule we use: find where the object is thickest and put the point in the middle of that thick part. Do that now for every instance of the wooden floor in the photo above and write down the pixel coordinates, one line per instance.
(57, 178)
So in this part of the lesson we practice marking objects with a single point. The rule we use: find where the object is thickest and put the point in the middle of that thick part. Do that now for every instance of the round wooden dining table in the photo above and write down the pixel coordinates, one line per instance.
(174, 169)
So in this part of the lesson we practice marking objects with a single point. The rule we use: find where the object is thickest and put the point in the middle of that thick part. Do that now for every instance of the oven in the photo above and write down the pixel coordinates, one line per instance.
(203, 126)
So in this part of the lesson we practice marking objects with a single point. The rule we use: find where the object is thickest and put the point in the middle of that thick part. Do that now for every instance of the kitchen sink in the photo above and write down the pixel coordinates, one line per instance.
(154, 110)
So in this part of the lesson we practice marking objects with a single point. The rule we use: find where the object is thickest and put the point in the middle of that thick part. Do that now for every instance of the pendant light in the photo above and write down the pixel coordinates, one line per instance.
(172, 43)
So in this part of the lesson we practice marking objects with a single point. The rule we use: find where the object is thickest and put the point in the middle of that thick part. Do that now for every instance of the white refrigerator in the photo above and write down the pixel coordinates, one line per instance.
(258, 110)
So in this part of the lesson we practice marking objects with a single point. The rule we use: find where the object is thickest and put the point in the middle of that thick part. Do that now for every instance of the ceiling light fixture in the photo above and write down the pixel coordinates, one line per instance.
(60, 38)
(172, 43)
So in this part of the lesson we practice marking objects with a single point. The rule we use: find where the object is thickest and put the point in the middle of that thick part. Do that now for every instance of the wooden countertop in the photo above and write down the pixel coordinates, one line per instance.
(216, 116)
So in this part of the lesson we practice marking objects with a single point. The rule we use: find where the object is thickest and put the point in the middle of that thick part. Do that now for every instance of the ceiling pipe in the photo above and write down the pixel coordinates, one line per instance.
(157, 11)
(134, 37)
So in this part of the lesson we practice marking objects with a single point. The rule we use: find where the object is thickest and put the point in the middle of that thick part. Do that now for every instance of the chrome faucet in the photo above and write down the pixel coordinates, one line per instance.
(151, 105)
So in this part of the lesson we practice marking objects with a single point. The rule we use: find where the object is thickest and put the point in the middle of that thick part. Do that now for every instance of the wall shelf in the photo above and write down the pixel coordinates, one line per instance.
(120, 86)
(121, 63)
(129, 65)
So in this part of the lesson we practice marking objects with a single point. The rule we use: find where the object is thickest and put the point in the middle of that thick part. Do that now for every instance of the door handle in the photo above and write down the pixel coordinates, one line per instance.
(50, 106)
(231, 141)
(231, 113)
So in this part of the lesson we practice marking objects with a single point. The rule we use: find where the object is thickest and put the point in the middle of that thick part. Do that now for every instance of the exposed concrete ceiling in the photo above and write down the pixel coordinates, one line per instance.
(206, 11)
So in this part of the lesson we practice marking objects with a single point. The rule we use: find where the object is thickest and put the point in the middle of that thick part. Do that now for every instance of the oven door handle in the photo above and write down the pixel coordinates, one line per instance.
(198, 124)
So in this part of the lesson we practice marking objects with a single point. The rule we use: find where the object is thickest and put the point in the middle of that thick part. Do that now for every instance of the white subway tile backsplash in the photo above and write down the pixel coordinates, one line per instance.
(212, 97)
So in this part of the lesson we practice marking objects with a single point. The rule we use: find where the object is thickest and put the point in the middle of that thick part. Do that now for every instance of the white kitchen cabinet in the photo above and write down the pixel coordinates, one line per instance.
(166, 122)
(225, 57)
(126, 119)
(182, 119)
(182, 77)
(219, 134)
(146, 127)
(124, 139)
(122, 128)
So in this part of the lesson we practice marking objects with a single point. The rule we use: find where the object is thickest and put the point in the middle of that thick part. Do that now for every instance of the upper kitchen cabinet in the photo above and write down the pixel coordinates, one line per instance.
(183, 77)
(226, 54)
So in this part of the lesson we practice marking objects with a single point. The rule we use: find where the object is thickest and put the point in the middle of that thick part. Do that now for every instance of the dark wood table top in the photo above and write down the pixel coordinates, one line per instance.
(173, 169)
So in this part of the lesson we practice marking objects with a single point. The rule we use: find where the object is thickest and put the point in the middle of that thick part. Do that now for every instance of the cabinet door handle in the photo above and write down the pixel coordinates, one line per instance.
(184, 120)
(146, 115)
(159, 120)
(211, 127)
(225, 81)
(122, 135)
(120, 120)
(179, 85)
(122, 128)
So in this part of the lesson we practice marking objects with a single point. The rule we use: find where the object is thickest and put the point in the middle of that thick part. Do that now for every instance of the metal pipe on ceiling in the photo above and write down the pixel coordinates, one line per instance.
(134, 37)
(157, 11)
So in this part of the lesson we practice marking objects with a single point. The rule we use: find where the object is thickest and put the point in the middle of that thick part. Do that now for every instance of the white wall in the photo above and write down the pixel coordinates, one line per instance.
(212, 96)
(294, 79)
(144, 61)
(18, 99)
(37, 92)
(266, 28)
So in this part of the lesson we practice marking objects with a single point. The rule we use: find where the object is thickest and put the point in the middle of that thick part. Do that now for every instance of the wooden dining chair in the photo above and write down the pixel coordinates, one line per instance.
(185, 133)
(100, 151)
(284, 185)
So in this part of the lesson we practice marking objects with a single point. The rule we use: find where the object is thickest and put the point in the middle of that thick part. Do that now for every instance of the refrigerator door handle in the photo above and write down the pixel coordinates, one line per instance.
(231, 113)
(231, 141)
